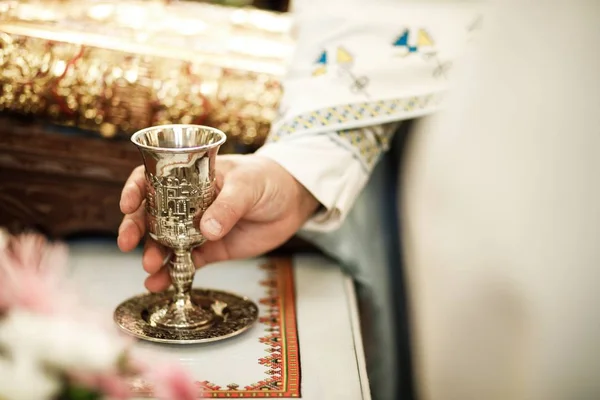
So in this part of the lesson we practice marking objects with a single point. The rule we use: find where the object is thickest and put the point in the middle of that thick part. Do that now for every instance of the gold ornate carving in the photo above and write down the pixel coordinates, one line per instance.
(143, 73)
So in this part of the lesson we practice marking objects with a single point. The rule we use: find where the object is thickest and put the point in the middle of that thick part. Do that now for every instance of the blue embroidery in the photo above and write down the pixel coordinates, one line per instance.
(345, 61)
(321, 65)
(402, 41)
(338, 117)
(423, 44)
(323, 58)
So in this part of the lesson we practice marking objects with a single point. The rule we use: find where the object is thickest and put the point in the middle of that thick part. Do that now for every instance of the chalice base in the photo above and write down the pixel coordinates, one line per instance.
(182, 313)
(215, 315)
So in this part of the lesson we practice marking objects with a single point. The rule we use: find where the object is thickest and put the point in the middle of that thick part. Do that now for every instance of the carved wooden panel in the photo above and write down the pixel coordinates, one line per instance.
(61, 184)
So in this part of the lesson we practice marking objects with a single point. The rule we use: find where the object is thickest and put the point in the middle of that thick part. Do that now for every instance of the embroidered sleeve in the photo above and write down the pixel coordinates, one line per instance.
(333, 166)
(356, 73)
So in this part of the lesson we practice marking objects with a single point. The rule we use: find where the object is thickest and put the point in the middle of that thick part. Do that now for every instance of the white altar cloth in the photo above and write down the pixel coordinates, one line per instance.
(331, 360)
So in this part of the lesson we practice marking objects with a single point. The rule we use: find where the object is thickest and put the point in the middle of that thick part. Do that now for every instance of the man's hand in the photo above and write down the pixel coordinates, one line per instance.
(259, 206)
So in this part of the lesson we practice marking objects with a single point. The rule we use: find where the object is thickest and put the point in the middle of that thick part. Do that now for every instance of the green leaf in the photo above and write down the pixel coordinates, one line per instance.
(71, 392)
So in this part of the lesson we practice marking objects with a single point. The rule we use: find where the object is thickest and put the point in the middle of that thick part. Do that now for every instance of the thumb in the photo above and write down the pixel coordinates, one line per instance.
(236, 199)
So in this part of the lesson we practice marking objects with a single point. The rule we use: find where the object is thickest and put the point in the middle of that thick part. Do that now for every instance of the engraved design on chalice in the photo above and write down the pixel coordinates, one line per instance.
(180, 185)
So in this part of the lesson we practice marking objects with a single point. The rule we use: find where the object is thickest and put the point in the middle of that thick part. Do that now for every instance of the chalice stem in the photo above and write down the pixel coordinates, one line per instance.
(182, 311)
(182, 271)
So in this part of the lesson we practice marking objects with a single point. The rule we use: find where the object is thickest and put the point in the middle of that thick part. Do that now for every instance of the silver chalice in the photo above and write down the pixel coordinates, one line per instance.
(180, 185)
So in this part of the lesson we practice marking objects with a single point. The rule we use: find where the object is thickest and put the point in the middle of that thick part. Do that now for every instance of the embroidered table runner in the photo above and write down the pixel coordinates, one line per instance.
(263, 362)
(305, 344)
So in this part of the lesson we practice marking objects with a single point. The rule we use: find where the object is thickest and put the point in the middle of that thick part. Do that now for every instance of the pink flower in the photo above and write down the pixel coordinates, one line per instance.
(172, 382)
(38, 307)
(31, 272)
(33, 251)
(111, 385)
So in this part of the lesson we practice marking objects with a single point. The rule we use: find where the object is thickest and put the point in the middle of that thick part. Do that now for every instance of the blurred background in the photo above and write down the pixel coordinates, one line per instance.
(77, 78)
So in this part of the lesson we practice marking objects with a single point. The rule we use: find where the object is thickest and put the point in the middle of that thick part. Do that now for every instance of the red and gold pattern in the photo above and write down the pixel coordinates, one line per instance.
(282, 362)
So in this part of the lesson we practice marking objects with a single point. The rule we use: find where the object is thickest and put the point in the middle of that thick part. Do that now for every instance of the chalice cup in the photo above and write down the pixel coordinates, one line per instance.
(179, 163)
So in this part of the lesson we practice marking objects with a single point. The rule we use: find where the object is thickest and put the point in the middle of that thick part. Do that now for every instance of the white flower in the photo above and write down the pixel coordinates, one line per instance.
(23, 378)
(61, 342)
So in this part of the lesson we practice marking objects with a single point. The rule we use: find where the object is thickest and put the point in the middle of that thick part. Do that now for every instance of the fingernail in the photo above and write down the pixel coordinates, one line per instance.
(166, 259)
(213, 227)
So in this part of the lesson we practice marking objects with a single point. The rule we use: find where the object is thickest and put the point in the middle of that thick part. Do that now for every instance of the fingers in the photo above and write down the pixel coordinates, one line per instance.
(134, 191)
(132, 229)
(159, 281)
(244, 241)
(210, 252)
(236, 198)
(155, 256)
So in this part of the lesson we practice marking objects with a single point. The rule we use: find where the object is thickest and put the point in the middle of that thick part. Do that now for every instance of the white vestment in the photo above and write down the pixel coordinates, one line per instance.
(502, 214)
(498, 202)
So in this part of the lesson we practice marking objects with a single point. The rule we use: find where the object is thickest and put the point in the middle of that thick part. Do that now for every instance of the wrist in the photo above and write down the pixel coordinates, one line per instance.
(308, 203)
(302, 202)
